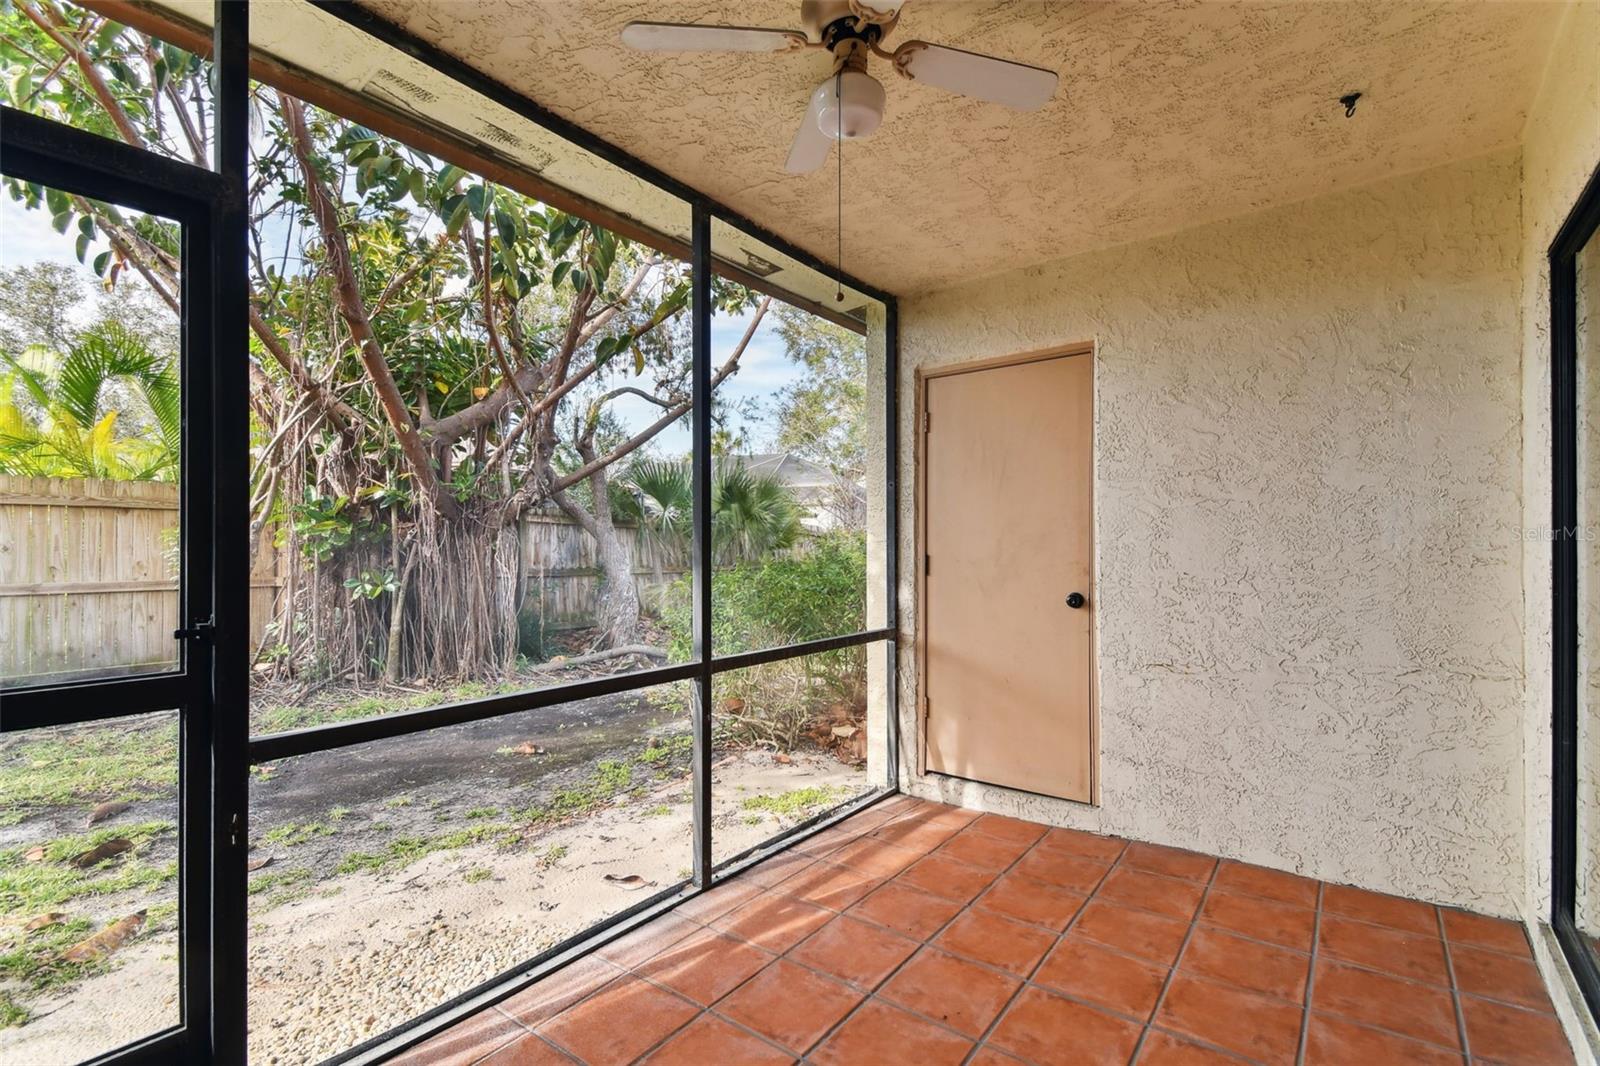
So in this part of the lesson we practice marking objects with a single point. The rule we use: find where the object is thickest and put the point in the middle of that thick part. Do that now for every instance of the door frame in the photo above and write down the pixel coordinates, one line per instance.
(922, 376)
(1581, 226)
(85, 164)
(212, 675)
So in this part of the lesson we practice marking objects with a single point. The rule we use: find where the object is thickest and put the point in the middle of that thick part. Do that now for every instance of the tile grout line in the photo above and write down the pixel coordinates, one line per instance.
(1122, 954)
(1027, 982)
(927, 941)
(701, 1011)
(1226, 892)
(792, 850)
(1455, 989)
(784, 957)
(1172, 974)
(1311, 975)
(516, 1036)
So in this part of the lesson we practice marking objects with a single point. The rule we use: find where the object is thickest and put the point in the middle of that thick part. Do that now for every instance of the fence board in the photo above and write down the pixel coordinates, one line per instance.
(561, 569)
(87, 577)
(86, 584)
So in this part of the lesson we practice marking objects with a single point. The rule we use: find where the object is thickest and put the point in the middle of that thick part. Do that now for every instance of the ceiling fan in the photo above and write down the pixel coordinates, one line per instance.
(849, 104)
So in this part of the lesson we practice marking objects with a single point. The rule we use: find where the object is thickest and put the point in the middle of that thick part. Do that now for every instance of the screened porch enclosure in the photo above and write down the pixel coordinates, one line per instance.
(511, 552)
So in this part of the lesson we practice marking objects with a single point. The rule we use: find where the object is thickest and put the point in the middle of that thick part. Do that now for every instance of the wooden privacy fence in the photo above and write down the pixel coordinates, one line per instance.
(88, 577)
(561, 570)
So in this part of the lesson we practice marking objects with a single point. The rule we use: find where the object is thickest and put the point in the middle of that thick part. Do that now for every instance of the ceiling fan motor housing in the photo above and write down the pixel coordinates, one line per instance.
(819, 17)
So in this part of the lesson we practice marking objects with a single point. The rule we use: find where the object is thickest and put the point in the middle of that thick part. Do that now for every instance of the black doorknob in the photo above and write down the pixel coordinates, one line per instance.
(1076, 600)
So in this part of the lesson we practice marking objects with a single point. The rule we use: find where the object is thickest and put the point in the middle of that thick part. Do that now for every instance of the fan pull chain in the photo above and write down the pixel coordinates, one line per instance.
(838, 111)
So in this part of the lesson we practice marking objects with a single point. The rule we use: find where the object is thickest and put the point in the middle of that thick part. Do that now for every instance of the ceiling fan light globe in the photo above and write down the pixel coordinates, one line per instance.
(850, 107)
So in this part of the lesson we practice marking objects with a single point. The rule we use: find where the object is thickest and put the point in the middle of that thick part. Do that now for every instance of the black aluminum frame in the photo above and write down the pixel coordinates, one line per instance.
(216, 748)
(209, 205)
(1566, 521)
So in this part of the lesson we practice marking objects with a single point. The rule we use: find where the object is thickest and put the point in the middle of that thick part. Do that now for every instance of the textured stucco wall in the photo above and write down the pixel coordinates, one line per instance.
(1307, 488)
(1561, 148)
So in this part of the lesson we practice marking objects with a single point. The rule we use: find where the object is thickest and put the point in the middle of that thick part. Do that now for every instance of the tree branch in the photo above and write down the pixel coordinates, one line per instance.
(626, 390)
(673, 413)
(341, 414)
(353, 310)
(56, 27)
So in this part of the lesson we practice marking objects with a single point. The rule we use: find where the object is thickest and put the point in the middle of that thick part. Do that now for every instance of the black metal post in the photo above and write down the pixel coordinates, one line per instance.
(700, 271)
(891, 535)
(229, 488)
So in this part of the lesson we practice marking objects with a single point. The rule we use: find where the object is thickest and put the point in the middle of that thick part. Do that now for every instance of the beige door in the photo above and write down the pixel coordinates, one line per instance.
(1008, 536)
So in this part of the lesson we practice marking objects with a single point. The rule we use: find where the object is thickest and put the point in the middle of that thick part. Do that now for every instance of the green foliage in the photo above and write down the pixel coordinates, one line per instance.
(280, 887)
(370, 584)
(12, 1013)
(34, 964)
(820, 592)
(752, 514)
(797, 803)
(326, 524)
(88, 764)
(74, 425)
(293, 834)
(404, 851)
(531, 636)
(823, 416)
(29, 887)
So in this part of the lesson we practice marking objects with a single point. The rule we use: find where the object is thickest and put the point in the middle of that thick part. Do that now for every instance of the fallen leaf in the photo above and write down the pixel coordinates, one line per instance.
(53, 918)
(782, 759)
(35, 853)
(846, 731)
(631, 882)
(528, 748)
(106, 940)
(258, 864)
(109, 809)
(102, 852)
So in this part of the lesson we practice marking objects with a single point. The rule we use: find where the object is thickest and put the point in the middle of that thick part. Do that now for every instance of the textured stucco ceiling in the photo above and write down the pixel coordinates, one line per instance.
(1169, 114)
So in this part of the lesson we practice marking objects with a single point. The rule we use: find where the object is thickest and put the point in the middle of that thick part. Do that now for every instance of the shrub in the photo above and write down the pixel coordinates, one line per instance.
(819, 592)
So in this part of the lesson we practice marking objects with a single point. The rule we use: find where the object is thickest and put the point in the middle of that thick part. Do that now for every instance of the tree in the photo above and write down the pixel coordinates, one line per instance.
(823, 417)
(752, 514)
(36, 300)
(81, 429)
(432, 353)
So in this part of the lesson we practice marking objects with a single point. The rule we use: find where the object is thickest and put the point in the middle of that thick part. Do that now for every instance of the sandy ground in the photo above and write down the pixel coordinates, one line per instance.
(360, 953)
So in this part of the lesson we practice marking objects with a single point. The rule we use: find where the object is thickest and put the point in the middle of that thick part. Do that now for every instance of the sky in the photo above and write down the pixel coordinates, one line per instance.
(27, 237)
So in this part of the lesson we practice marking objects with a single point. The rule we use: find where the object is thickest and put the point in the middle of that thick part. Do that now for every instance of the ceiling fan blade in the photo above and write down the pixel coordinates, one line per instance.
(997, 80)
(683, 37)
(811, 145)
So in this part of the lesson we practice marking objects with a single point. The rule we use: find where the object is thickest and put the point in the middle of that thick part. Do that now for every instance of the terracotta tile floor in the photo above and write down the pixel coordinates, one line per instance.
(916, 933)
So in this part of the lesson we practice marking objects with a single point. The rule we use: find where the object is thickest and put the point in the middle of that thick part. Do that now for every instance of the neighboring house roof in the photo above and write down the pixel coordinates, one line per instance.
(811, 483)
(787, 468)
